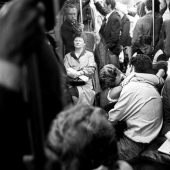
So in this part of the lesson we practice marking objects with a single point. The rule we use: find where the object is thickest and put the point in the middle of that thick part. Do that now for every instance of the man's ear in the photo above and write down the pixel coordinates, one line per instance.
(110, 6)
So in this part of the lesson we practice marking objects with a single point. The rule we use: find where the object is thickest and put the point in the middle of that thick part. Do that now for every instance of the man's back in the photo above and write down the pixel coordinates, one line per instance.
(140, 106)
(144, 26)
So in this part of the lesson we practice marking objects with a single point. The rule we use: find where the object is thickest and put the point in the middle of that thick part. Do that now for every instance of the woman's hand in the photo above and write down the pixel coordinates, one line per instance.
(88, 71)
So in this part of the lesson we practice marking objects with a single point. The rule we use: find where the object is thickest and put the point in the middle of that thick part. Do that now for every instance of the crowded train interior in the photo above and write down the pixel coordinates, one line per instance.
(85, 84)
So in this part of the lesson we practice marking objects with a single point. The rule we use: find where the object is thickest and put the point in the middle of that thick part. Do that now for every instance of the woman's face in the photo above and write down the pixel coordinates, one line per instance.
(118, 79)
(79, 42)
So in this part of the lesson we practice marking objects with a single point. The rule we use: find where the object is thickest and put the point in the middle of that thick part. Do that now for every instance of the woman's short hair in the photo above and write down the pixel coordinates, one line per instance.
(108, 76)
(82, 138)
(81, 35)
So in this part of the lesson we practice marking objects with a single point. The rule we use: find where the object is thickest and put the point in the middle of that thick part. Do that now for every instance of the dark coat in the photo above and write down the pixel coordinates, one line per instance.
(166, 32)
(16, 138)
(111, 32)
(125, 39)
(166, 106)
(68, 31)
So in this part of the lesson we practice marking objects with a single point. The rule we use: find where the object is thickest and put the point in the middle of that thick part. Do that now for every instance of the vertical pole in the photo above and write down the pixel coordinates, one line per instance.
(153, 15)
(81, 13)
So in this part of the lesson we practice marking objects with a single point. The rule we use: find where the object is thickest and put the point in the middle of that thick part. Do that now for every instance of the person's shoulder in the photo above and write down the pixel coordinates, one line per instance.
(126, 18)
(67, 55)
(115, 14)
(161, 53)
(166, 23)
(88, 52)
(168, 79)
(65, 24)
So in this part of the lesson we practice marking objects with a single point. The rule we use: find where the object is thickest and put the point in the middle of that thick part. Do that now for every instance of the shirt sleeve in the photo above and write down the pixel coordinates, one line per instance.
(89, 70)
(117, 113)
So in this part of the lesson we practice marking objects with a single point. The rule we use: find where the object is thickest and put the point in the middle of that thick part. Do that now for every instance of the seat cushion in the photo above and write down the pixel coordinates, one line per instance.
(151, 152)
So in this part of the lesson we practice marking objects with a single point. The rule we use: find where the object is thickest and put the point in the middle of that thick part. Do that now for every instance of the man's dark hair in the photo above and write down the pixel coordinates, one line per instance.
(148, 4)
(112, 2)
(143, 40)
(70, 5)
(82, 138)
(142, 63)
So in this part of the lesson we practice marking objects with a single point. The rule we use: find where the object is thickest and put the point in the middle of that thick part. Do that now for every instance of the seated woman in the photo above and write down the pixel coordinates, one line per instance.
(80, 64)
(112, 81)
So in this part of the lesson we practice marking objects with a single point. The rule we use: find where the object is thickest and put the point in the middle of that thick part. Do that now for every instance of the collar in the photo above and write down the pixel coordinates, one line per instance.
(149, 13)
(108, 15)
(72, 54)
(72, 23)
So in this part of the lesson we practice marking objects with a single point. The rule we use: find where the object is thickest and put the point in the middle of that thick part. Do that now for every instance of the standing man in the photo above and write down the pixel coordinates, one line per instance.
(110, 30)
(144, 25)
(70, 28)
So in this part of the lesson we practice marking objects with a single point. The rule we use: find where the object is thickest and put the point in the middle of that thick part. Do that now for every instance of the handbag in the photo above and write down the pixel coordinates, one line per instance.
(76, 81)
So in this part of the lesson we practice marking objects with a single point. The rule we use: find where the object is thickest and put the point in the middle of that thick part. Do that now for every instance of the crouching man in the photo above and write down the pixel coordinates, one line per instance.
(140, 106)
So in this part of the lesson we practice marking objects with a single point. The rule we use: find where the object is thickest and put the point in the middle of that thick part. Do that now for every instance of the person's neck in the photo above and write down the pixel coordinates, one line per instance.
(79, 50)
(111, 10)
(147, 12)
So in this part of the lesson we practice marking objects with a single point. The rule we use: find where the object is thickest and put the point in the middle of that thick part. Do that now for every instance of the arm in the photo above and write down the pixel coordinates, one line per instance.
(125, 32)
(115, 92)
(90, 69)
(66, 35)
(70, 71)
(163, 6)
(156, 80)
(160, 73)
(117, 113)
(100, 8)
(10, 75)
(160, 67)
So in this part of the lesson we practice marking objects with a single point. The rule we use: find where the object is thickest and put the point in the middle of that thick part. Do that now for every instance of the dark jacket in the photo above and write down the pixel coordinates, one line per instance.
(111, 32)
(125, 39)
(166, 106)
(68, 31)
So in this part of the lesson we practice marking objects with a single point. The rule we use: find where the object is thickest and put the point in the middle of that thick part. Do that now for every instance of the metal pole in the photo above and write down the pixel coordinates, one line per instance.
(153, 15)
(81, 13)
